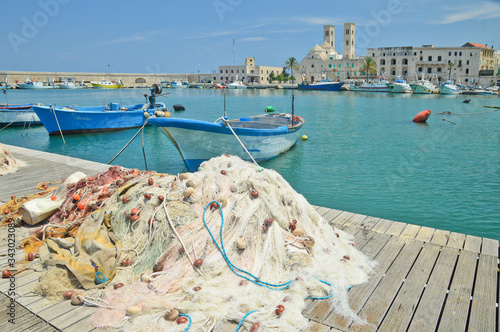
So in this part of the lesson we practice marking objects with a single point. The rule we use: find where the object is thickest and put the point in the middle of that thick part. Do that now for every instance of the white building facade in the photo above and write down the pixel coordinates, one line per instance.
(247, 73)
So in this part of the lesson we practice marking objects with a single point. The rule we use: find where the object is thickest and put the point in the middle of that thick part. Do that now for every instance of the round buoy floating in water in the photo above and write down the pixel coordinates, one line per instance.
(304, 137)
(422, 116)
(270, 109)
(178, 107)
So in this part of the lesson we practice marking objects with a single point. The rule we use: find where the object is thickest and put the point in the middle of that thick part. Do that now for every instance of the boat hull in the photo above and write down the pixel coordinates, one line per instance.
(399, 88)
(89, 119)
(33, 87)
(422, 89)
(447, 90)
(198, 141)
(106, 86)
(333, 86)
(18, 117)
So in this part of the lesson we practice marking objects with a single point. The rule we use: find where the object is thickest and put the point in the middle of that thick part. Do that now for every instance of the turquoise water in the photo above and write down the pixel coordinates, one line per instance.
(364, 154)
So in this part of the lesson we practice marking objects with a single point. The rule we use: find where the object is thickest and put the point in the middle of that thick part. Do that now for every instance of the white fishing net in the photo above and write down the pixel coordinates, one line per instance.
(262, 263)
(8, 163)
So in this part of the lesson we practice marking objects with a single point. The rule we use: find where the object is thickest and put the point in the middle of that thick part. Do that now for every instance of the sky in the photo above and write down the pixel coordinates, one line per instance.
(187, 36)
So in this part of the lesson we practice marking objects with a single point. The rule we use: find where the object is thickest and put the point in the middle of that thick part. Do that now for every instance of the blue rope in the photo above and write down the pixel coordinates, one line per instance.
(222, 250)
(189, 318)
(241, 321)
(324, 297)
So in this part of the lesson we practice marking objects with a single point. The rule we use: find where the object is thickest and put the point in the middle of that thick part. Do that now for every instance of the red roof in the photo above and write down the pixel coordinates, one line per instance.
(474, 45)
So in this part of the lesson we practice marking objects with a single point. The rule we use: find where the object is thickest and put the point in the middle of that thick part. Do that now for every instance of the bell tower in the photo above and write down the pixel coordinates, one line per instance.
(349, 29)
(329, 35)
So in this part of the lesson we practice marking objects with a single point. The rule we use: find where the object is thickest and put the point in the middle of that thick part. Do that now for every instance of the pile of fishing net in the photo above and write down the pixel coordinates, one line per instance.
(8, 163)
(228, 242)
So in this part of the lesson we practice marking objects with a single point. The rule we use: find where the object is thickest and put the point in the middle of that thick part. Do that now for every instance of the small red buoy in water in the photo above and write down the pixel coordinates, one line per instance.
(422, 116)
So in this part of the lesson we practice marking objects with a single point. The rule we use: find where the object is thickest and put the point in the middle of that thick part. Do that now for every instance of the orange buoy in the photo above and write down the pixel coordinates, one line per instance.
(422, 116)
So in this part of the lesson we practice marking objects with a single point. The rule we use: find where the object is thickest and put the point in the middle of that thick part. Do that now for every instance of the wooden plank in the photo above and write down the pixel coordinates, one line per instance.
(377, 305)
(399, 316)
(382, 226)
(355, 220)
(41, 326)
(80, 326)
(473, 243)
(429, 308)
(332, 214)
(315, 327)
(56, 310)
(490, 247)
(483, 306)
(396, 228)
(440, 237)
(72, 317)
(456, 307)
(410, 231)
(369, 223)
(425, 234)
(322, 210)
(342, 218)
(456, 240)
(359, 295)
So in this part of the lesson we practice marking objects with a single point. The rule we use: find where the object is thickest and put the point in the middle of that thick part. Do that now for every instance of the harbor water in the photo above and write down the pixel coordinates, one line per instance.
(363, 155)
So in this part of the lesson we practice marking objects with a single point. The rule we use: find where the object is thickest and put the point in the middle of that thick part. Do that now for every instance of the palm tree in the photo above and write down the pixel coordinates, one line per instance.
(369, 66)
(450, 67)
(272, 77)
(291, 63)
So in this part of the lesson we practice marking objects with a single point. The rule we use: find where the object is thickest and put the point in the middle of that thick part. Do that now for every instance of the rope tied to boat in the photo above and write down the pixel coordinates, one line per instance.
(58, 126)
(126, 145)
(226, 123)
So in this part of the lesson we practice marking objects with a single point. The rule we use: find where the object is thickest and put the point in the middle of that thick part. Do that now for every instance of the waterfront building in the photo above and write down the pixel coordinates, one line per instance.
(324, 62)
(247, 73)
(471, 63)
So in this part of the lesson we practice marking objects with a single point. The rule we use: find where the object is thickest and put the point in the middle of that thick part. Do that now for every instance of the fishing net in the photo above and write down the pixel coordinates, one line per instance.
(230, 241)
(8, 163)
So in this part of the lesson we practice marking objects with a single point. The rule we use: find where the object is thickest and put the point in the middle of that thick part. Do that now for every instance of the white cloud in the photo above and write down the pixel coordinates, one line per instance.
(478, 11)
(122, 40)
(252, 39)
(319, 20)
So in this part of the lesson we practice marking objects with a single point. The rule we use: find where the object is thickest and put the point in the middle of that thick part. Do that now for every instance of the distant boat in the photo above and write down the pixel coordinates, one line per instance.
(236, 85)
(326, 84)
(375, 85)
(106, 84)
(423, 86)
(71, 85)
(30, 84)
(176, 84)
(449, 88)
(399, 86)
(18, 115)
(75, 119)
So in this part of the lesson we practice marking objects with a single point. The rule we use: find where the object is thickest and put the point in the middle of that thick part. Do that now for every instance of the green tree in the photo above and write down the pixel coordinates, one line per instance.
(450, 67)
(291, 63)
(272, 77)
(369, 66)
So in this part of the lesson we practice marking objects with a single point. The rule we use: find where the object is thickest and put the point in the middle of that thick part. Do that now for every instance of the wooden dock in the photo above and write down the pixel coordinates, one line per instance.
(426, 279)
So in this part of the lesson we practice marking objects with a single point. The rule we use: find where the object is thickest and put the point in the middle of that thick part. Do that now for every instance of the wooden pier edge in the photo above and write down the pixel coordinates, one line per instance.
(426, 279)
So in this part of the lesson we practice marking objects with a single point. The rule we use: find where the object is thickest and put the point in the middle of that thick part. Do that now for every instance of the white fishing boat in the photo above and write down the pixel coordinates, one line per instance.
(259, 138)
(71, 85)
(106, 84)
(30, 84)
(399, 86)
(177, 84)
(376, 85)
(423, 86)
(449, 88)
(236, 85)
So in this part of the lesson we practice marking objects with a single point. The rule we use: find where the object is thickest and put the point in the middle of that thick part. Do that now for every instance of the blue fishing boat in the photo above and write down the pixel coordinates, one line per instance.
(325, 84)
(259, 138)
(84, 119)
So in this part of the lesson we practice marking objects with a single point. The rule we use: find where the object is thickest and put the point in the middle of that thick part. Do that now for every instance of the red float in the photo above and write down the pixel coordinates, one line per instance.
(279, 309)
(422, 116)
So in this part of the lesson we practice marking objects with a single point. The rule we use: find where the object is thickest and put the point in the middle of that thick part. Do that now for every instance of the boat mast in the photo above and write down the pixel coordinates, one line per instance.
(293, 108)
(225, 115)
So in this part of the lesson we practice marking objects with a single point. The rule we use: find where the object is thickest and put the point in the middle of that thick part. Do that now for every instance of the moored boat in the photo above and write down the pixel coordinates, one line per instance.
(106, 84)
(399, 86)
(236, 85)
(76, 119)
(18, 115)
(375, 85)
(71, 85)
(30, 84)
(449, 88)
(326, 85)
(177, 84)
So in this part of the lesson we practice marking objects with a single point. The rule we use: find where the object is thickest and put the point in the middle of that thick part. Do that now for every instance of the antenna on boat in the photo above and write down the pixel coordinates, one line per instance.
(293, 107)
(225, 115)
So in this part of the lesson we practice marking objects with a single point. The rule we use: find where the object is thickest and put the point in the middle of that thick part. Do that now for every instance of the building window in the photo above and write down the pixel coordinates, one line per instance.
(326, 33)
(227, 78)
(449, 53)
(439, 70)
(340, 65)
(467, 71)
(429, 70)
(312, 66)
(373, 54)
(333, 66)
(329, 66)
(429, 58)
(439, 58)
(331, 58)
(420, 69)
(243, 71)
(237, 70)
(455, 53)
(460, 63)
(347, 43)
(348, 64)
(226, 71)
(221, 71)
(421, 58)
(393, 54)
(393, 72)
(467, 61)
(466, 80)
(414, 53)
(460, 53)
(382, 62)
(221, 78)
(352, 65)
(232, 71)
(352, 43)
(384, 54)
(393, 61)
(347, 32)
(405, 61)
